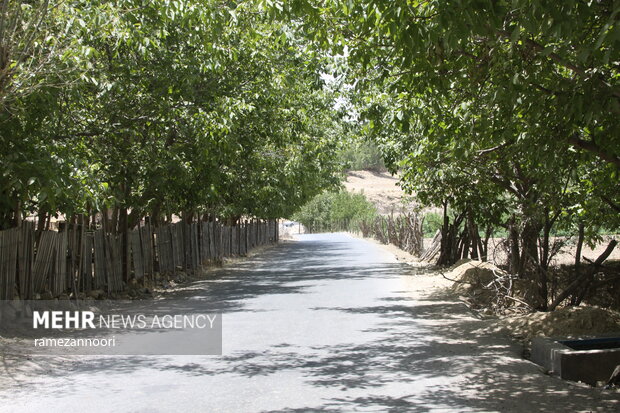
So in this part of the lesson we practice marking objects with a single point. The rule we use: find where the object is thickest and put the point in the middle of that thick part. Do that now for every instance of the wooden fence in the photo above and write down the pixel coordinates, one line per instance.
(404, 231)
(79, 260)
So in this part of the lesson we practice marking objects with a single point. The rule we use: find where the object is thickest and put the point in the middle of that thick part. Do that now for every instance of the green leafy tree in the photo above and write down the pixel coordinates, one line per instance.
(503, 112)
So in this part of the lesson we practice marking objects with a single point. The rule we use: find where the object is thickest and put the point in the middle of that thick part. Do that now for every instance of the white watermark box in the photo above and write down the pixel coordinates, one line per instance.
(170, 327)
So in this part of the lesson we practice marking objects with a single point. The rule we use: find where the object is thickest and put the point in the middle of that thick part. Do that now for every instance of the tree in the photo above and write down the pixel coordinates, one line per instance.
(503, 111)
(200, 109)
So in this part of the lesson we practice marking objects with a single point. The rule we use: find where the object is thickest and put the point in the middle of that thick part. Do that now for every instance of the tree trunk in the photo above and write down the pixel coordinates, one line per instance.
(544, 248)
(450, 240)
(474, 237)
(544, 263)
(514, 247)
(134, 218)
(113, 228)
(584, 279)
(42, 217)
(155, 213)
(580, 238)
(105, 224)
(530, 262)
(18, 214)
(124, 233)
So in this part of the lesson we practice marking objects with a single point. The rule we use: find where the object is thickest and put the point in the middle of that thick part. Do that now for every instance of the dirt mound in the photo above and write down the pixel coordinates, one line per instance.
(569, 322)
(470, 275)
(479, 283)
(484, 285)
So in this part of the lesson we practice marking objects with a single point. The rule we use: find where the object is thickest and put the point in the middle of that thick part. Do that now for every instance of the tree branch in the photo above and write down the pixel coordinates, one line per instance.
(590, 146)
(560, 61)
(574, 286)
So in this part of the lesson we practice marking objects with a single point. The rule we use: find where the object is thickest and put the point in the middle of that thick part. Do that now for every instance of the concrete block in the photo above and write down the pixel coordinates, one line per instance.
(589, 360)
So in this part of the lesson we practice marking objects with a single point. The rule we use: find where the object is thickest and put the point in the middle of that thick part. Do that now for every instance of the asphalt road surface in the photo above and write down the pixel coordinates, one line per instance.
(328, 323)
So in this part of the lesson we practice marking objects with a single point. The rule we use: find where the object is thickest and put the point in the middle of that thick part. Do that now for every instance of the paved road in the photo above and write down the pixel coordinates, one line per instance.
(327, 323)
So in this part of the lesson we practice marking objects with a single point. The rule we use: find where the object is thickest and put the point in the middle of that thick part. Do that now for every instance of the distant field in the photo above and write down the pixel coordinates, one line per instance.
(380, 188)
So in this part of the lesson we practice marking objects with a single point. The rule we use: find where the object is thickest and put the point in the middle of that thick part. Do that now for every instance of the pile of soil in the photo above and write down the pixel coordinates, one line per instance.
(569, 322)
(473, 281)
(485, 286)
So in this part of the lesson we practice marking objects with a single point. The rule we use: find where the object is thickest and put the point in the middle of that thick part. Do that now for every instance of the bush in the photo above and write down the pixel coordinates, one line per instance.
(335, 211)
(362, 155)
(432, 222)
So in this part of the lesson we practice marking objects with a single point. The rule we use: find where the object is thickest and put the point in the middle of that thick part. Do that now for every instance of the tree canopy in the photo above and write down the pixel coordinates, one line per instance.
(504, 113)
(159, 108)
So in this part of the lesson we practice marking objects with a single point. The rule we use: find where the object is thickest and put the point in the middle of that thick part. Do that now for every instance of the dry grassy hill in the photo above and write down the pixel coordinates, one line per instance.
(380, 188)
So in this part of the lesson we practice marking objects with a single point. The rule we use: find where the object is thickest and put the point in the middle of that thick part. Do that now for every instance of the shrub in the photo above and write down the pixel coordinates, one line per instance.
(362, 155)
(432, 222)
(335, 211)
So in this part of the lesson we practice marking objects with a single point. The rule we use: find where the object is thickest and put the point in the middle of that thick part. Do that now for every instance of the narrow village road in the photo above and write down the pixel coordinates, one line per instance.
(327, 323)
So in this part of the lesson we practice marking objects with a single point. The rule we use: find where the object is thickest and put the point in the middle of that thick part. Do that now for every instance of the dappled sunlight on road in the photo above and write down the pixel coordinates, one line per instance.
(328, 323)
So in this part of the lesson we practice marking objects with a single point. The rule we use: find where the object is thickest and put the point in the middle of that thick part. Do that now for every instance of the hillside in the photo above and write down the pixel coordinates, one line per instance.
(380, 188)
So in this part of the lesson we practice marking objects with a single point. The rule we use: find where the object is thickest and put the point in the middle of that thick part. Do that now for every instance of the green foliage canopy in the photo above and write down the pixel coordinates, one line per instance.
(335, 211)
(165, 107)
(503, 108)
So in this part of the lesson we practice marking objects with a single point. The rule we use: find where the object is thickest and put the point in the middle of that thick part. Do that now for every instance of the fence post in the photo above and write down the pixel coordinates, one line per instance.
(246, 239)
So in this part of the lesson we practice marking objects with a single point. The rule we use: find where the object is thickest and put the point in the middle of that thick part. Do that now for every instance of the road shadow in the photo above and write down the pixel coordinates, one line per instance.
(424, 354)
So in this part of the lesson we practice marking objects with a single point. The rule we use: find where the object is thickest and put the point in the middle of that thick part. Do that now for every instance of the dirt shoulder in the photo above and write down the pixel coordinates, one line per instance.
(459, 284)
